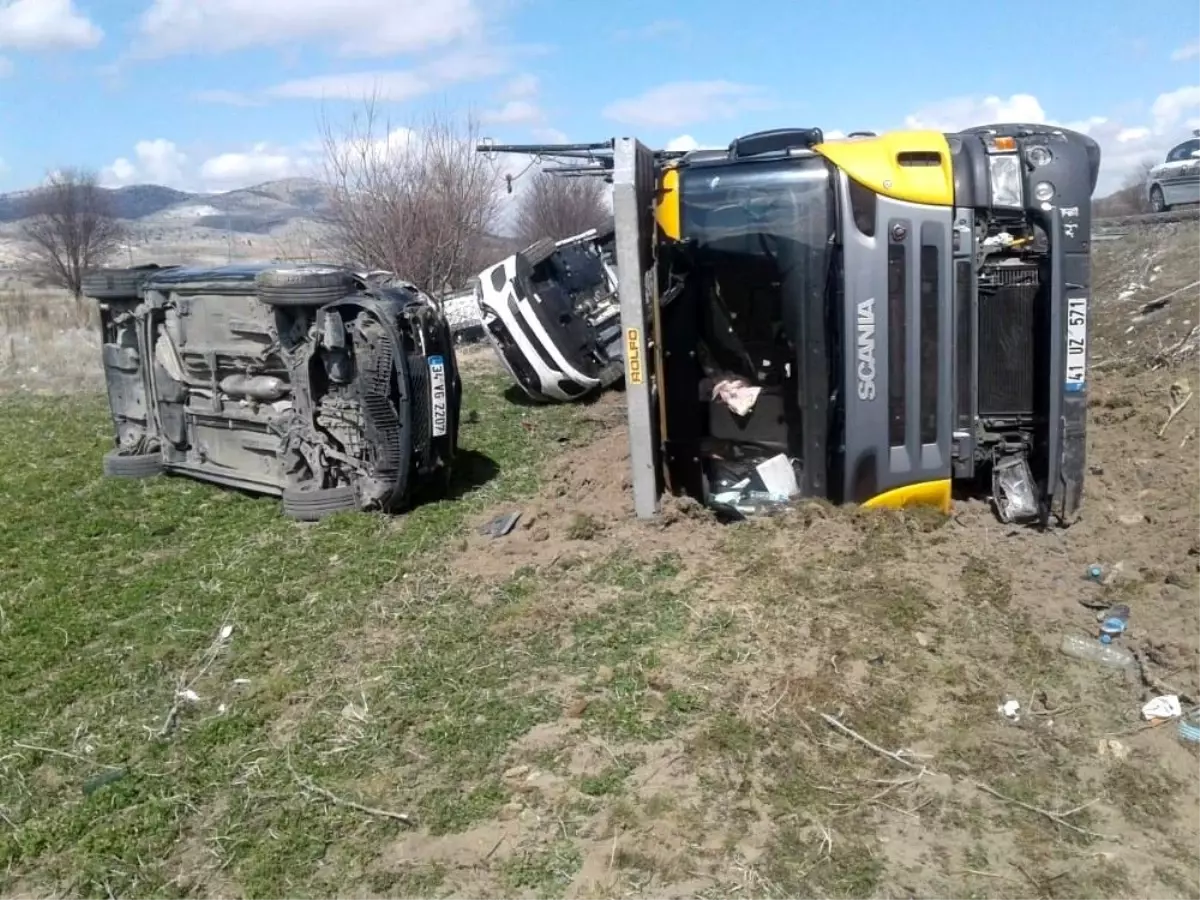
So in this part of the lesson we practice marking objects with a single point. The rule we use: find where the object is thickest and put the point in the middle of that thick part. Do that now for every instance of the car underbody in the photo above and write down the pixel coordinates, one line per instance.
(330, 388)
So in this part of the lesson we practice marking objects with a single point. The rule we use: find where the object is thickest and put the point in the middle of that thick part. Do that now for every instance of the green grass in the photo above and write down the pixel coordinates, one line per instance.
(639, 715)
(113, 591)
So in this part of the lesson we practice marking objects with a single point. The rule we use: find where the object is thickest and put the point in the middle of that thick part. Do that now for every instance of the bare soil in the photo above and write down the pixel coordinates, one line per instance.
(908, 629)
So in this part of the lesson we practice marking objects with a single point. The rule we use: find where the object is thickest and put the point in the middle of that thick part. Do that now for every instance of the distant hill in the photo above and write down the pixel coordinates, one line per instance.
(1128, 201)
(252, 210)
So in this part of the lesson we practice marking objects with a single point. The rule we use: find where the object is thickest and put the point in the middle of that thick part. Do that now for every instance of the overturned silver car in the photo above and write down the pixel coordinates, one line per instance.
(552, 314)
(330, 388)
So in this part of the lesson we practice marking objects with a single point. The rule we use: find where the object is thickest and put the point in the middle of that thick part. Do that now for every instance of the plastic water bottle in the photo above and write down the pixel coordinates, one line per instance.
(1116, 620)
(1091, 650)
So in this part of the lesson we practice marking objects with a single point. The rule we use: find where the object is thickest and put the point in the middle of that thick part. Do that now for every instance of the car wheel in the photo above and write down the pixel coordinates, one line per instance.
(1158, 203)
(118, 284)
(139, 465)
(309, 505)
(304, 285)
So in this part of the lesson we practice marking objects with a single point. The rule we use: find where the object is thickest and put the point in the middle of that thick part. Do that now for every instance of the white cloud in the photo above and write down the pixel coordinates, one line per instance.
(224, 97)
(522, 86)
(656, 30)
(550, 136)
(46, 25)
(394, 85)
(681, 103)
(389, 86)
(154, 162)
(1187, 51)
(514, 112)
(1123, 144)
(518, 104)
(348, 27)
(964, 112)
(262, 162)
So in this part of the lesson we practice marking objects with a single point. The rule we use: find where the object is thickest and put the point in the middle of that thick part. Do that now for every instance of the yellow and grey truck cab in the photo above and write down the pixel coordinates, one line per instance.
(868, 320)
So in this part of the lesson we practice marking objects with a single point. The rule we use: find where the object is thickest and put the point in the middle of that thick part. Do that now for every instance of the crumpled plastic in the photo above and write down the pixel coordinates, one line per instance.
(1165, 707)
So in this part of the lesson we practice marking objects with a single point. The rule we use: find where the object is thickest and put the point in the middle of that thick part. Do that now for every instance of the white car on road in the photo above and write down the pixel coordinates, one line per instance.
(1176, 180)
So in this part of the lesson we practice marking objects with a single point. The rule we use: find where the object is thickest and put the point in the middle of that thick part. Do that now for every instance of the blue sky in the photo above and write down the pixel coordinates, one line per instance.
(216, 94)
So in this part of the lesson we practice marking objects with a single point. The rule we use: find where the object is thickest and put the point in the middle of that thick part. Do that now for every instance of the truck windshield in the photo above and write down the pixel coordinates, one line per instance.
(761, 235)
(759, 238)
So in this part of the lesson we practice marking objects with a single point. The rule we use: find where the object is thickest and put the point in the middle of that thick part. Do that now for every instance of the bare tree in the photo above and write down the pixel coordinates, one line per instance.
(417, 200)
(556, 207)
(70, 230)
(1133, 191)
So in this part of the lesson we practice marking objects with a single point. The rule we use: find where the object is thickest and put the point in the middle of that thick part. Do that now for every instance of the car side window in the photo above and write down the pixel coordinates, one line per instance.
(1183, 151)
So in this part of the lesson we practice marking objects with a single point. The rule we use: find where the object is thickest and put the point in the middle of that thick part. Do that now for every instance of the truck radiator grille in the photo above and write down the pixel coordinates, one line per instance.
(1008, 325)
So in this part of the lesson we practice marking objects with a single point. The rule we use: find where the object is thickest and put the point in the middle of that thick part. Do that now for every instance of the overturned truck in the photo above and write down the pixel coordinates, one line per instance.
(869, 320)
(330, 388)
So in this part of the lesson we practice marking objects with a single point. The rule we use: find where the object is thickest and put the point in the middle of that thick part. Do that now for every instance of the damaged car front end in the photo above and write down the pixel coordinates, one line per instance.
(551, 314)
(329, 388)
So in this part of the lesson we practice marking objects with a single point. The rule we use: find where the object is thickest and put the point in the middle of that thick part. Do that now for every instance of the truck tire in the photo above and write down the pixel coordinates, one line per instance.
(118, 284)
(304, 285)
(140, 465)
(314, 504)
(538, 252)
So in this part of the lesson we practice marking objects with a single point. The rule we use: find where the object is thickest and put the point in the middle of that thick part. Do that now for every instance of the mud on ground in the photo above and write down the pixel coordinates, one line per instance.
(691, 753)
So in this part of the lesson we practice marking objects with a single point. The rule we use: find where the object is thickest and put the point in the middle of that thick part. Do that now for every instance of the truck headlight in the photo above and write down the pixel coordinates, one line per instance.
(1005, 171)
(1038, 155)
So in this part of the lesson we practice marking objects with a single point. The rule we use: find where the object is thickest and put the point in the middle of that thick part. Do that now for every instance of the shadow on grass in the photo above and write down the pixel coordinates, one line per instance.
(516, 396)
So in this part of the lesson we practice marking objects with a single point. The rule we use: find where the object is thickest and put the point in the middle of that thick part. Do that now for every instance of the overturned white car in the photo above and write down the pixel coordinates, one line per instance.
(553, 316)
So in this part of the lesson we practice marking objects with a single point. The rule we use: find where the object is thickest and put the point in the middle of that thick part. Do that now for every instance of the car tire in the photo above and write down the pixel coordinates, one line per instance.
(138, 465)
(311, 505)
(118, 284)
(1158, 202)
(304, 285)
(538, 252)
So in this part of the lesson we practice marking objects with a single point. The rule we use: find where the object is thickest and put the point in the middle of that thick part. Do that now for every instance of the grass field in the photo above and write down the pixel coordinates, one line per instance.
(201, 698)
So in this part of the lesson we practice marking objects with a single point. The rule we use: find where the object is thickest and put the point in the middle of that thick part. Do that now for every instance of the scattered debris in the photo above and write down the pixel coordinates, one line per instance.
(1057, 817)
(500, 525)
(1164, 706)
(737, 394)
(307, 784)
(1113, 748)
(1114, 624)
(1091, 650)
(1180, 395)
(1095, 572)
(1010, 709)
(183, 691)
(96, 782)
(1189, 727)
(1159, 302)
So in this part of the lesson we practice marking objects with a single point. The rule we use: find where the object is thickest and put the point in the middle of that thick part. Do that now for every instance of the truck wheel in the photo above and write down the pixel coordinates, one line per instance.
(538, 252)
(303, 285)
(118, 284)
(140, 465)
(1158, 202)
(310, 505)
